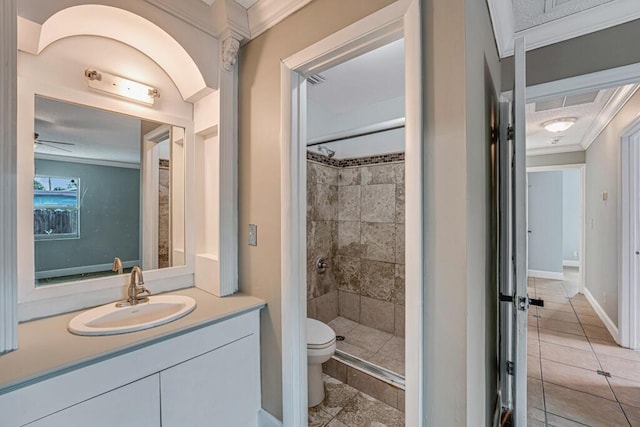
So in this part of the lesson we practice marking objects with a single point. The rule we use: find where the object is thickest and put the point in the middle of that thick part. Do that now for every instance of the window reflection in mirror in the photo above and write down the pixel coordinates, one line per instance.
(106, 185)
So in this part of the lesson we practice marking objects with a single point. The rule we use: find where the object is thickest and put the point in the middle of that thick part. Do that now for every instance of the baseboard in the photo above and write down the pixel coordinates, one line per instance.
(551, 275)
(265, 419)
(570, 263)
(608, 323)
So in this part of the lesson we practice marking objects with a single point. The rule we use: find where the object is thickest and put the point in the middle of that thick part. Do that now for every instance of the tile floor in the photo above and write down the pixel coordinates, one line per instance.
(567, 345)
(344, 406)
(372, 345)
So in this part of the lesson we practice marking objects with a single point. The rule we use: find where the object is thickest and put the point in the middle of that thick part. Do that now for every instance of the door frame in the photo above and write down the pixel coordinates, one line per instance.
(618, 76)
(398, 20)
(629, 289)
(149, 189)
(582, 167)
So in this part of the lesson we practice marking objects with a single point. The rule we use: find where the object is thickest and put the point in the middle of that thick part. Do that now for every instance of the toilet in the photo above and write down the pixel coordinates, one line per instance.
(321, 344)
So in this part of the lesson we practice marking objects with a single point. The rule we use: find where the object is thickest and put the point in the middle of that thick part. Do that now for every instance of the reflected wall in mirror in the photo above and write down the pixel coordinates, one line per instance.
(106, 186)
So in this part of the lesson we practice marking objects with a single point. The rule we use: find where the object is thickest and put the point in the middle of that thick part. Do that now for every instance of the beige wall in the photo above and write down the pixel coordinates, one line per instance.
(603, 237)
(609, 48)
(572, 158)
(461, 75)
(259, 163)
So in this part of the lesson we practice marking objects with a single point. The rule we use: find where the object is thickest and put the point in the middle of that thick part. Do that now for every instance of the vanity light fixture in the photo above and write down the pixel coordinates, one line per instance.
(120, 86)
(559, 125)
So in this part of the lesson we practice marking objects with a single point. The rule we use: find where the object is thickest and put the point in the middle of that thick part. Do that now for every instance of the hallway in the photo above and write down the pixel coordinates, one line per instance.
(577, 374)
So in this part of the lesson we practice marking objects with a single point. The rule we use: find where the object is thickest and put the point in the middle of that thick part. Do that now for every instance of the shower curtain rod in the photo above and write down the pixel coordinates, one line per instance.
(356, 133)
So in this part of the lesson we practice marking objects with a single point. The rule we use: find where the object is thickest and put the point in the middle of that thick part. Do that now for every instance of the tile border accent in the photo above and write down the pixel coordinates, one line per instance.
(356, 161)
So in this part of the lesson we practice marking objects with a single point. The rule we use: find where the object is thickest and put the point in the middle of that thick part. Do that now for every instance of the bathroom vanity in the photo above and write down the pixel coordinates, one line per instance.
(200, 370)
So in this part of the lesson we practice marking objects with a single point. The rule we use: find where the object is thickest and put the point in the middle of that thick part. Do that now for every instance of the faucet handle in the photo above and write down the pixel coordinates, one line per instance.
(141, 289)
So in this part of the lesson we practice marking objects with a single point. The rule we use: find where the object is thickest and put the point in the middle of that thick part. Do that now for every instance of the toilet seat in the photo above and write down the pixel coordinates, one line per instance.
(319, 335)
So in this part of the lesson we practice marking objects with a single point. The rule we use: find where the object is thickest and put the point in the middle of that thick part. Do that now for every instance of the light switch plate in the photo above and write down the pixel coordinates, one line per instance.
(253, 235)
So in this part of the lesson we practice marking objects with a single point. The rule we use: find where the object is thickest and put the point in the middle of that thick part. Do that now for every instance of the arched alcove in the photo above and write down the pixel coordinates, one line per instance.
(133, 30)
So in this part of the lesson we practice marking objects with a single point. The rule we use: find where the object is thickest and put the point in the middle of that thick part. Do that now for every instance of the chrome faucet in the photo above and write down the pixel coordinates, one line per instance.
(136, 287)
(117, 265)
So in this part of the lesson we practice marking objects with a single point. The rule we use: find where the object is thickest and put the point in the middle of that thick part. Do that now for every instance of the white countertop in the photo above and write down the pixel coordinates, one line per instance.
(46, 348)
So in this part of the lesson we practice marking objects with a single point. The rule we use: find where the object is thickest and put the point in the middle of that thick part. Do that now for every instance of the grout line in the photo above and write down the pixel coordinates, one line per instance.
(544, 397)
(613, 393)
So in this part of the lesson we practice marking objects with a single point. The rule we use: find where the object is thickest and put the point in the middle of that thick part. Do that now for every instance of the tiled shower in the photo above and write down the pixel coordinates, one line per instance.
(355, 224)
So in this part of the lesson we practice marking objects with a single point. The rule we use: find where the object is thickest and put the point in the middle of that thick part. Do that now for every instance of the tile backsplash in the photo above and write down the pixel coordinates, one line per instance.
(355, 219)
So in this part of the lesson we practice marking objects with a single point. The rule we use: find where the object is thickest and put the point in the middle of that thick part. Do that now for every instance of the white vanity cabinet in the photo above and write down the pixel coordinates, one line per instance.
(134, 405)
(216, 387)
(208, 375)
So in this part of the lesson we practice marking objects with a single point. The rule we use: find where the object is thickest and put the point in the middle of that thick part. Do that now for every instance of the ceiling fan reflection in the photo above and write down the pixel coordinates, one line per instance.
(49, 143)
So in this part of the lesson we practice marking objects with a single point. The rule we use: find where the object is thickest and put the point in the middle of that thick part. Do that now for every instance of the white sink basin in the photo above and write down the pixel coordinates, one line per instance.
(110, 319)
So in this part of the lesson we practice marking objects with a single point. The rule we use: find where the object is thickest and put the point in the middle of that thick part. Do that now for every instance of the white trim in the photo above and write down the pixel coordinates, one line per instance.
(621, 96)
(583, 210)
(551, 275)
(565, 28)
(8, 162)
(85, 161)
(293, 236)
(53, 299)
(82, 270)
(553, 149)
(267, 13)
(503, 21)
(265, 419)
(415, 396)
(629, 286)
(373, 31)
(180, 10)
(228, 178)
(125, 27)
(578, 24)
(608, 323)
(571, 263)
(619, 76)
(149, 190)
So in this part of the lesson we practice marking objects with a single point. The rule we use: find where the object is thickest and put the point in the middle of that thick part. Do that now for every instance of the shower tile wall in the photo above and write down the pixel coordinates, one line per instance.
(370, 255)
(355, 218)
(322, 240)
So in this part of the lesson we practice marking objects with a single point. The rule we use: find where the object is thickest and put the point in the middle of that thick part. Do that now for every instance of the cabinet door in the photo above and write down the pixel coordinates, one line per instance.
(134, 405)
(219, 388)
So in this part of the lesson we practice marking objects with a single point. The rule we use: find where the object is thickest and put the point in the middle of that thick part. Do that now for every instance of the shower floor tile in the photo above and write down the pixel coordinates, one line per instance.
(372, 345)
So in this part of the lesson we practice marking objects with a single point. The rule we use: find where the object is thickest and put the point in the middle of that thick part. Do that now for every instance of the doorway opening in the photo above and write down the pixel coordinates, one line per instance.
(397, 22)
(573, 359)
(356, 230)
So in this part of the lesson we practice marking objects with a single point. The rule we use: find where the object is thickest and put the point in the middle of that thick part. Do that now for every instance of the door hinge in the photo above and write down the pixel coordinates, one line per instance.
(510, 368)
(523, 303)
(510, 133)
(536, 301)
(506, 298)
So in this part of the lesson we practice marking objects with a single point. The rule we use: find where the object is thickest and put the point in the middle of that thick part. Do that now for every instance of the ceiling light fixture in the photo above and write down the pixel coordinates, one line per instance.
(559, 125)
(120, 86)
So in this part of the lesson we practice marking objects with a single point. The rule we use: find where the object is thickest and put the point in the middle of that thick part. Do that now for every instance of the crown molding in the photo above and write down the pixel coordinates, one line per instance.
(503, 21)
(585, 22)
(618, 100)
(193, 12)
(267, 13)
(218, 17)
(554, 149)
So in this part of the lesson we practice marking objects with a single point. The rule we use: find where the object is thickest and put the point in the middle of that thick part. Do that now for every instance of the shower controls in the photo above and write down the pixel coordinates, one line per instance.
(321, 265)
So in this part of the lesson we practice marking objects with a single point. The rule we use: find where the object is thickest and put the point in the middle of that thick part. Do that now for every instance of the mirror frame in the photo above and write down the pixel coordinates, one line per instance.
(53, 299)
